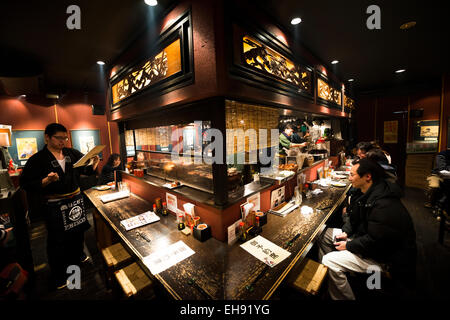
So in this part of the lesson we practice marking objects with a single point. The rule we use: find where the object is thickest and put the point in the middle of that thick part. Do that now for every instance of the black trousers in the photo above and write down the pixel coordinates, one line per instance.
(63, 249)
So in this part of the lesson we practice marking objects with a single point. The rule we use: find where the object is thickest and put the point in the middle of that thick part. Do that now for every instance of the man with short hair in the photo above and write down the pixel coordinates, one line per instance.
(381, 233)
(50, 174)
(285, 140)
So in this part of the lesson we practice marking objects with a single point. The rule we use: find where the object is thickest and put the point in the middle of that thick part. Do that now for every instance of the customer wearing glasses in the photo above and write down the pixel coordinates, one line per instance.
(50, 174)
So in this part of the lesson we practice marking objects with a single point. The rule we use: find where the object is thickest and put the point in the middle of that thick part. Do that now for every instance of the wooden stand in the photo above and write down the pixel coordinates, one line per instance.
(134, 282)
(115, 257)
(310, 278)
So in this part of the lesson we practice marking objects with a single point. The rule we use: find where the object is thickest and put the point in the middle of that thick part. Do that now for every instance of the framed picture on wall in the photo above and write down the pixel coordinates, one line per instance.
(25, 143)
(426, 131)
(85, 140)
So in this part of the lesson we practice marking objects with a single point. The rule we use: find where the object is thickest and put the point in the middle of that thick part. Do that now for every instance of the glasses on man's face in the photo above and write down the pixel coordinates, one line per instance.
(60, 138)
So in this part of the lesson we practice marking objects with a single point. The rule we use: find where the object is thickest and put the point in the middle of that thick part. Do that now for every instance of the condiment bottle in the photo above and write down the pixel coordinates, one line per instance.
(243, 236)
(154, 208)
(164, 211)
(181, 225)
(258, 228)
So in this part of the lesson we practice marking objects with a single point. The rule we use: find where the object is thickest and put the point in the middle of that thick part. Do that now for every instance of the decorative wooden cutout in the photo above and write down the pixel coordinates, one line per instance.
(161, 66)
(327, 92)
(268, 61)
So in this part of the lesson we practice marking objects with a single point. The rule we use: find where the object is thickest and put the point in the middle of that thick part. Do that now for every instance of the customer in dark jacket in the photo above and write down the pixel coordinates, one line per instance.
(109, 168)
(381, 235)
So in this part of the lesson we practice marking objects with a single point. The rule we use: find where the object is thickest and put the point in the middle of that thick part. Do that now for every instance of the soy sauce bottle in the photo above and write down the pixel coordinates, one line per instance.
(164, 211)
(243, 236)
(181, 225)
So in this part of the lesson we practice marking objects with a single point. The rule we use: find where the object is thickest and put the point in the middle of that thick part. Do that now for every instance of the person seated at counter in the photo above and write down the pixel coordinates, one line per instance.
(379, 157)
(107, 174)
(381, 234)
(285, 141)
(364, 147)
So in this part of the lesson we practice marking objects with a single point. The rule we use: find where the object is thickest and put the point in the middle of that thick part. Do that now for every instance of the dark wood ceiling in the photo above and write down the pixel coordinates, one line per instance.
(35, 40)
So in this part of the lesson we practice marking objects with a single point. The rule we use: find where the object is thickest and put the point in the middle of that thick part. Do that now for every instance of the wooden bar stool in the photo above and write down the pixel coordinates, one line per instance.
(115, 257)
(134, 282)
(310, 278)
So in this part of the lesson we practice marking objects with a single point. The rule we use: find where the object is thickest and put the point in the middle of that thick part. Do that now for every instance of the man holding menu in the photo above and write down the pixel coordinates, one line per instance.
(51, 173)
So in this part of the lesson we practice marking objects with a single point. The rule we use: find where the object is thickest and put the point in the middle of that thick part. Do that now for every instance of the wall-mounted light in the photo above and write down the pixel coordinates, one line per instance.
(351, 80)
(400, 71)
(101, 63)
(334, 62)
(151, 3)
(296, 21)
(408, 25)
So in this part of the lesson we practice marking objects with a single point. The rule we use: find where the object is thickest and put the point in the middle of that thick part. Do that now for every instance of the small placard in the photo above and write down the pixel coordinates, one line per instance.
(171, 201)
(255, 199)
(277, 197)
(233, 232)
(265, 251)
(167, 257)
(140, 220)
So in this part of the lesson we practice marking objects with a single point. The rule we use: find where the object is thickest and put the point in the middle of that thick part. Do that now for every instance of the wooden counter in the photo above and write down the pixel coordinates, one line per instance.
(221, 271)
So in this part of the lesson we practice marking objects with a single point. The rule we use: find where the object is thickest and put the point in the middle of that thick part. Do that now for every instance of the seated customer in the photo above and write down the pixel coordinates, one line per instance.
(379, 157)
(112, 165)
(381, 234)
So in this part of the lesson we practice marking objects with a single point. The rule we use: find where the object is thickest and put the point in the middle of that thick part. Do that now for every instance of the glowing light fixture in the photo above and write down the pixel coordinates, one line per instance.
(334, 62)
(408, 25)
(100, 62)
(151, 3)
(351, 80)
(400, 71)
(296, 21)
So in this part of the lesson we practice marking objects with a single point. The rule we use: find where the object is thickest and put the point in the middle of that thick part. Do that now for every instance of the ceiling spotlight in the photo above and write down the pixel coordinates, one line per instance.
(52, 96)
(334, 62)
(351, 80)
(400, 71)
(100, 62)
(151, 3)
(408, 25)
(296, 21)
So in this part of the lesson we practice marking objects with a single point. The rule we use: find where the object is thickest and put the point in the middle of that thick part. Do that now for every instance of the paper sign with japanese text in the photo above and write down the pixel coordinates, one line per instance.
(265, 251)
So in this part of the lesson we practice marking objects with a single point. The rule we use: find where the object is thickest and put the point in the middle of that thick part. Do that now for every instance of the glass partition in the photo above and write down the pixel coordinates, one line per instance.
(174, 153)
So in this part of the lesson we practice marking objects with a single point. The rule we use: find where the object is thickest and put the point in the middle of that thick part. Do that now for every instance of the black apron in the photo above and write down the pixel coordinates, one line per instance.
(68, 215)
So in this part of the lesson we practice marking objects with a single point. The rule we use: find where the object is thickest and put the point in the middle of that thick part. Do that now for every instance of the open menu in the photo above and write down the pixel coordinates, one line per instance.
(139, 220)
(95, 151)
(284, 208)
(114, 196)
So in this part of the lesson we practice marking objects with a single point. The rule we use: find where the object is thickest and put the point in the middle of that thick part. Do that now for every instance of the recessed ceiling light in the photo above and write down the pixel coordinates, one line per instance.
(400, 71)
(100, 62)
(151, 2)
(334, 62)
(296, 21)
(408, 25)
(351, 80)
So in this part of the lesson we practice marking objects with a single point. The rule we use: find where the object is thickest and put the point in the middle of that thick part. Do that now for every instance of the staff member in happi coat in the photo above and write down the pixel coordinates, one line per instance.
(51, 173)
